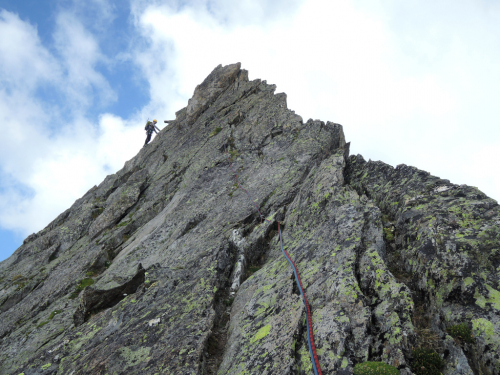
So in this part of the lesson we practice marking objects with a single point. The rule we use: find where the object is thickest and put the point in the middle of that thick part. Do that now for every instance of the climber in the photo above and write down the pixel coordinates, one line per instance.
(150, 128)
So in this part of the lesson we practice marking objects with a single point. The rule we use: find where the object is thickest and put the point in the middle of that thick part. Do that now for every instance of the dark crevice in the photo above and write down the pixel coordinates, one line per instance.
(216, 342)
(214, 351)
(93, 300)
(55, 253)
(276, 133)
(264, 202)
(258, 252)
(257, 255)
(51, 338)
(191, 224)
(248, 224)
(262, 142)
(304, 175)
(295, 287)
(377, 347)
(300, 341)
(360, 252)
(374, 353)
(104, 198)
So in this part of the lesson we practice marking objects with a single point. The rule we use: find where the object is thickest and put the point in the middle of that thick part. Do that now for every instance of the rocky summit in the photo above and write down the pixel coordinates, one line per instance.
(167, 267)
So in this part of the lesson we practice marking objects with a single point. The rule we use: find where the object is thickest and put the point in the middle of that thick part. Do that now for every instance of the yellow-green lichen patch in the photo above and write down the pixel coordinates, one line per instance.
(261, 333)
(304, 366)
(76, 344)
(345, 362)
(134, 357)
(483, 326)
(468, 281)
(493, 298)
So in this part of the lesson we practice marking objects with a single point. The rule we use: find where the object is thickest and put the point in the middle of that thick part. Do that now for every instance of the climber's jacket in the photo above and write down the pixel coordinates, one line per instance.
(151, 127)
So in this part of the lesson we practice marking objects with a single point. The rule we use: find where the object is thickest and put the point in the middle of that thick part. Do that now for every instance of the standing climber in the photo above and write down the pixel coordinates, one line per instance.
(150, 128)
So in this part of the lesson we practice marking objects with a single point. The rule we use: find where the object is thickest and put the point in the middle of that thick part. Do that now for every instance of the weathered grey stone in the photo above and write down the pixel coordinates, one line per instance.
(119, 202)
(216, 295)
(448, 239)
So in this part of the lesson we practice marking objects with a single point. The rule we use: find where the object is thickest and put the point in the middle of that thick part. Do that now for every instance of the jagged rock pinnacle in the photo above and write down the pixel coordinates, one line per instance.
(166, 267)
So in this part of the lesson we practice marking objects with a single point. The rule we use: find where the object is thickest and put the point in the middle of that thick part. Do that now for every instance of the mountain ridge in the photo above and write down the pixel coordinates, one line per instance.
(166, 267)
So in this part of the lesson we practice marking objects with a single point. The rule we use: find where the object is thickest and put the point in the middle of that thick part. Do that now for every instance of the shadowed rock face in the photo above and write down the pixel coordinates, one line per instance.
(166, 267)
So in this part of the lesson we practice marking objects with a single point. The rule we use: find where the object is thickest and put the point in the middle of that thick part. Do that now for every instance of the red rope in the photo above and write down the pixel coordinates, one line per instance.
(312, 346)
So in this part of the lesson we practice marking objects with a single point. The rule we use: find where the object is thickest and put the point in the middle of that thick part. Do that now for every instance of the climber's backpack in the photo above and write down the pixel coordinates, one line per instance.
(147, 124)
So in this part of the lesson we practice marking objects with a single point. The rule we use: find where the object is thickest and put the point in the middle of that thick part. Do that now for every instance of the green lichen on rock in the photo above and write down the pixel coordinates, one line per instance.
(46, 366)
(261, 333)
(54, 313)
(186, 317)
(388, 234)
(216, 131)
(42, 324)
(81, 285)
(375, 368)
(445, 243)
(483, 327)
(134, 357)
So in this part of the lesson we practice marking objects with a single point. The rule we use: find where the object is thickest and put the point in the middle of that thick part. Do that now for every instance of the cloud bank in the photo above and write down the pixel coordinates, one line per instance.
(50, 151)
(409, 85)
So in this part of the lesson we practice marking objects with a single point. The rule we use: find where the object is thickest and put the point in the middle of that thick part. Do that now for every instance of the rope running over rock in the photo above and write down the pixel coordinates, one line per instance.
(310, 337)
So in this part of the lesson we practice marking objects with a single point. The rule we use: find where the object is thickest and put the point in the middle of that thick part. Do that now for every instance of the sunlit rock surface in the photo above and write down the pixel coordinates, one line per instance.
(167, 268)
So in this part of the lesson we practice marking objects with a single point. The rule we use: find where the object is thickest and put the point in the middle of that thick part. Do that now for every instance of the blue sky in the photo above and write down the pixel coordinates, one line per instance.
(62, 101)
(413, 82)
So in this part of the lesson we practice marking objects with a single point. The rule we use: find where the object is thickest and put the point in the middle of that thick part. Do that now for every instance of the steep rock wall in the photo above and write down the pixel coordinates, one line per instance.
(447, 241)
(166, 266)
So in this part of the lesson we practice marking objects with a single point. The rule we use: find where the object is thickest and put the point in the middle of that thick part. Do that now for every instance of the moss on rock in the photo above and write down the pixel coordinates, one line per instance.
(427, 362)
(375, 368)
(461, 331)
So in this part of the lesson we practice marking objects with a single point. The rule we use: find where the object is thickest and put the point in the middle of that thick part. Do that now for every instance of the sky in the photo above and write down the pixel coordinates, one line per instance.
(413, 82)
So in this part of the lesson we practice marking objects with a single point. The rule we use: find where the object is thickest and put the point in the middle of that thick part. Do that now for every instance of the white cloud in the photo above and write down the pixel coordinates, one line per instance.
(24, 62)
(77, 159)
(80, 54)
(24, 65)
(50, 154)
(406, 82)
(185, 41)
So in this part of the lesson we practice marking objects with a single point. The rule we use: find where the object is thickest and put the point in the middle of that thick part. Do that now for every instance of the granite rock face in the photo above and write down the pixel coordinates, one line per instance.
(167, 268)
(447, 242)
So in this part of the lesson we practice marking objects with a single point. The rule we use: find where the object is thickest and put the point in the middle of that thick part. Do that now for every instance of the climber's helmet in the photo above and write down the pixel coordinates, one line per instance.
(155, 121)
